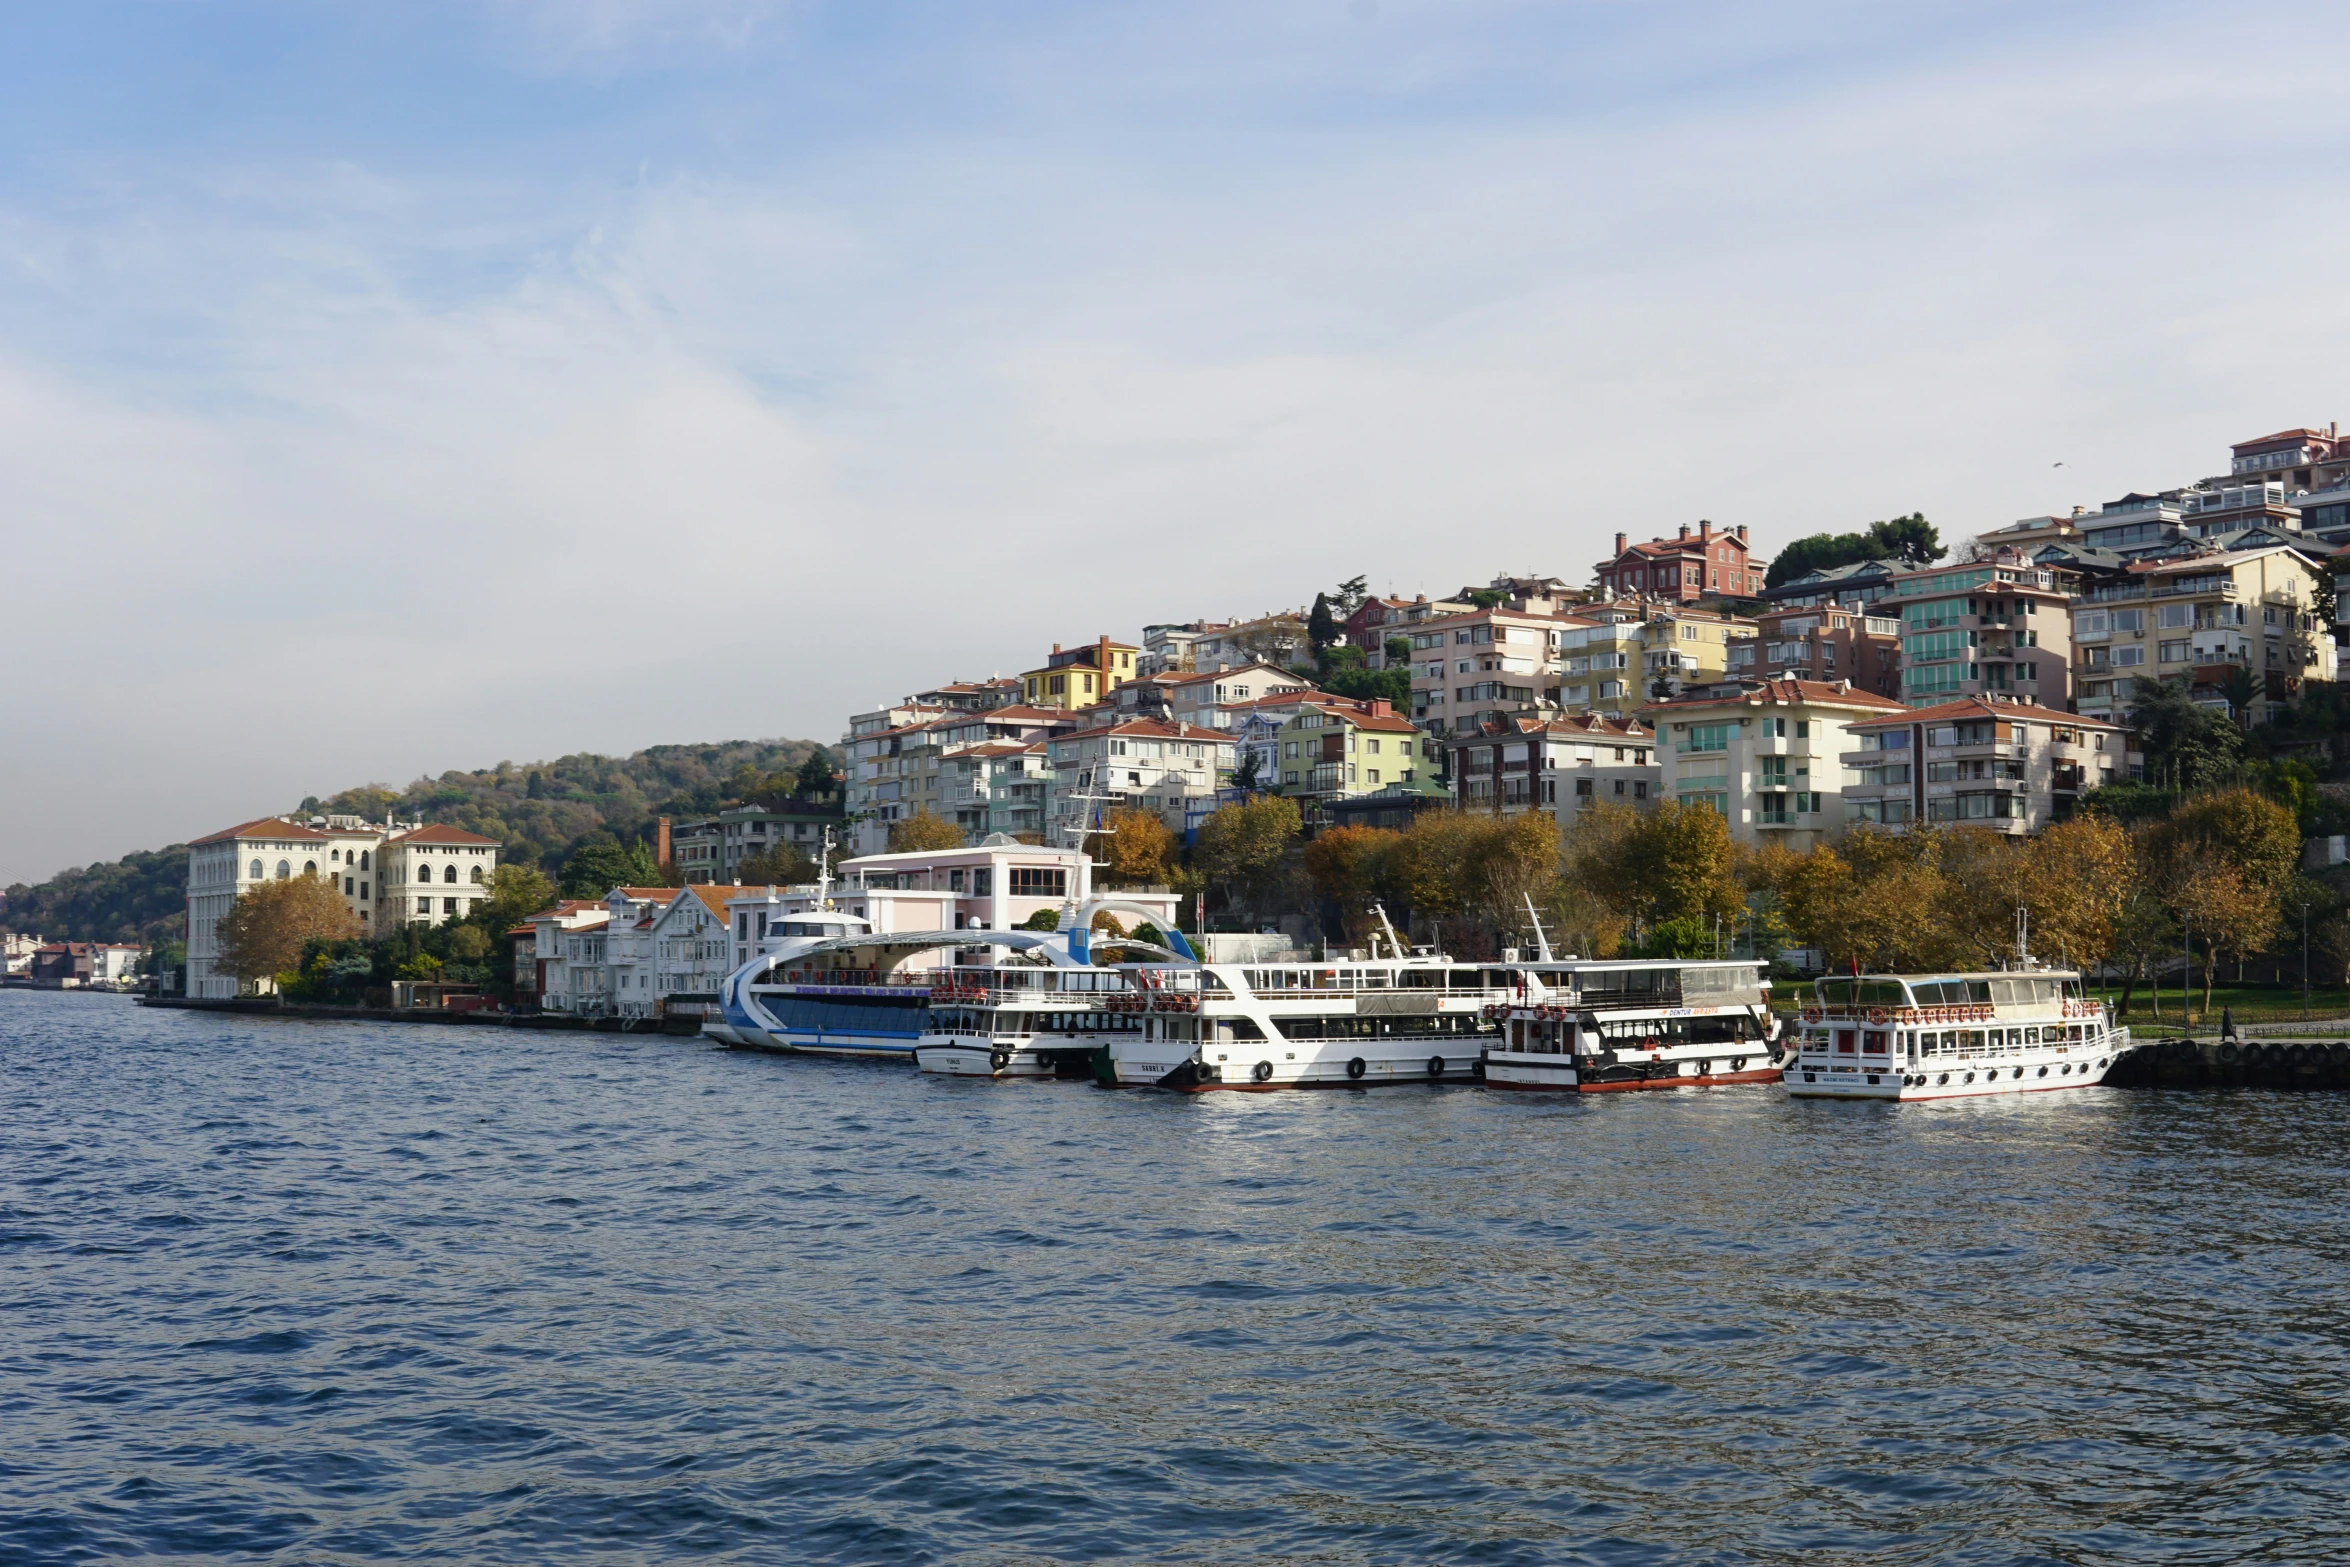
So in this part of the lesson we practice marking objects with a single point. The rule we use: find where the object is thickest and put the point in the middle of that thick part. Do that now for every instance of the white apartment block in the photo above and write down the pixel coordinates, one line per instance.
(1139, 764)
(1983, 762)
(1769, 755)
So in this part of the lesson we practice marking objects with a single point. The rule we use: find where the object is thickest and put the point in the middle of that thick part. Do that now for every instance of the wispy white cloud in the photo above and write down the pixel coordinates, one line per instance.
(345, 467)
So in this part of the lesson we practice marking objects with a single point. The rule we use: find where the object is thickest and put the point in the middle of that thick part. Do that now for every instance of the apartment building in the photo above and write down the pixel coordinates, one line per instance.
(1268, 639)
(1704, 562)
(1136, 764)
(1980, 761)
(1847, 587)
(1167, 647)
(1562, 765)
(1823, 644)
(710, 851)
(1078, 677)
(902, 771)
(1999, 627)
(1767, 755)
(1489, 662)
(1335, 747)
(1212, 698)
(1629, 655)
(2235, 624)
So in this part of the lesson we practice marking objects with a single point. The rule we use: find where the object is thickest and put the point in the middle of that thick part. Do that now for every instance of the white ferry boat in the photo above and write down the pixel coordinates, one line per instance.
(1051, 1013)
(1950, 1036)
(1596, 1027)
(1340, 1023)
(825, 983)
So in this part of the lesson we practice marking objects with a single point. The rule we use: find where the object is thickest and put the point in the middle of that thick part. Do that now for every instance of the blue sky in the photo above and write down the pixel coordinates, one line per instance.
(390, 389)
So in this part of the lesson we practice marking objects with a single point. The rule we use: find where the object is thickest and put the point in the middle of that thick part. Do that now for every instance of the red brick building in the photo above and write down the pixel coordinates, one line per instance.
(1702, 563)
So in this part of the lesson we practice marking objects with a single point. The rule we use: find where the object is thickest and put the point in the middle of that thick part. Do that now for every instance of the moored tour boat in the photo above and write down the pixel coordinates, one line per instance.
(1610, 1027)
(1340, 1023)
(1951, 1036)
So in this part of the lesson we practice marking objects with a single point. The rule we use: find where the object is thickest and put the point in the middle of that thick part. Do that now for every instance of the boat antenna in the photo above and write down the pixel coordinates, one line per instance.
(2023, 936)
(1394, 947)
(1541, 941)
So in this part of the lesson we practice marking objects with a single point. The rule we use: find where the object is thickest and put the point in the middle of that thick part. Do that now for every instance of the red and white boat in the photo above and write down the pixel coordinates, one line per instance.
(1599, 1027)
(1952, 1036)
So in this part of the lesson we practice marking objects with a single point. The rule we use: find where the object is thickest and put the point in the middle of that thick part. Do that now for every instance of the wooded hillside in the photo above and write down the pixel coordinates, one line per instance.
(541, 812)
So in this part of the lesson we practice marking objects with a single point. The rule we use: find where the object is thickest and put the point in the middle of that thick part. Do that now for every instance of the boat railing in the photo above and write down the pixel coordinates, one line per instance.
(1959, 1012)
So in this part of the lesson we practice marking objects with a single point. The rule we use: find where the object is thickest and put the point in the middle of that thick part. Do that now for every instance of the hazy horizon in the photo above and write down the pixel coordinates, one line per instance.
(392, 391)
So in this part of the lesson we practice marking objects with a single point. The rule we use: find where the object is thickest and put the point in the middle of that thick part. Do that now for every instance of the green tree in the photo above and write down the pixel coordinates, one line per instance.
(1042, 919)
(1392, 686)
(1911, 539)
(1398, 650)
(778, 865)
(2187, 746)
(516, 893)
(817, 778)
(2233, 827)
(1349, 595)
(598, 866)
(924, 830)
(1321, 626)
(1241, 848)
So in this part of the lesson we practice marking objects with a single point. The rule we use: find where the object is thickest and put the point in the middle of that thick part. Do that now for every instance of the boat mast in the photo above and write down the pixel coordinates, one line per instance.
(1394, 947)
(824, 876)
(1541, 941)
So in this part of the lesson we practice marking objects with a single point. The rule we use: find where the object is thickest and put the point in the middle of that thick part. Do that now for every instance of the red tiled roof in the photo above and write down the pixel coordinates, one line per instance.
(440, 832)
(1818, 692)
(2281, 437)
(276, 827)
(1984, 707)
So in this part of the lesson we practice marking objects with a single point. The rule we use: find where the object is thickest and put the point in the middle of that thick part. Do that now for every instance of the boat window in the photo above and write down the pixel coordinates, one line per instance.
(1845, 1039)
(1872, 1043)
(1835, 992)
(1883, 993)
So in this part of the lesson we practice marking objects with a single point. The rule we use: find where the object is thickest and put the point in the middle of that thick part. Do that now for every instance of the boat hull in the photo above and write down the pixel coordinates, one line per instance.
(1296, 1068)
(964, 1056)
(816, 1023)
(1961, 1081)
(1561, 1074)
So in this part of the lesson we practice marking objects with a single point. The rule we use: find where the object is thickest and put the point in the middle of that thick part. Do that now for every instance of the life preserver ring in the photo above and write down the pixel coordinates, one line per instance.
(1355, 1068)
(1876, 1014)
(1811, 1014)
(1262, 1071)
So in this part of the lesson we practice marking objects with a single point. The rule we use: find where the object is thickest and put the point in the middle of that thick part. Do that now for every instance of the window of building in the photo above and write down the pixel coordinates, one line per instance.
(2174, 653)
(255, 874)
(1707, 737)
(285, 871)
(1035, 881)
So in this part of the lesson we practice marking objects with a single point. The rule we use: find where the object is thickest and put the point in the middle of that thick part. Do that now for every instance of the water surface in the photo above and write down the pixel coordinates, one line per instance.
(293, 1293)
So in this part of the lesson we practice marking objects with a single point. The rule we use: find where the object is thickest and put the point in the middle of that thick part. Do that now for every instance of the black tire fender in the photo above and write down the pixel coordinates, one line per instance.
(1436, 1066)
(1262, 1072)
(1356, 1068)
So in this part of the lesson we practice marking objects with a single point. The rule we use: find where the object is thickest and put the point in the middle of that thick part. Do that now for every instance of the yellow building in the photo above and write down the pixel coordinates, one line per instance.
(1635, 654)
(1337, 747)
(1080, 676)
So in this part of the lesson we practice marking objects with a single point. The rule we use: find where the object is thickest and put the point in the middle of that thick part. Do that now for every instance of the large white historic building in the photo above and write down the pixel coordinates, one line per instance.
(380, 868)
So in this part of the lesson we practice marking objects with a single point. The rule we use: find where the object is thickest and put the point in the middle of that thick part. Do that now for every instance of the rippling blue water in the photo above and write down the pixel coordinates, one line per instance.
(287, 1292)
